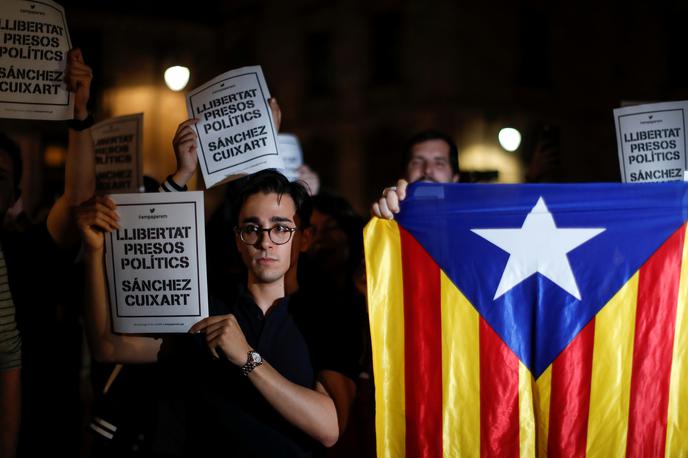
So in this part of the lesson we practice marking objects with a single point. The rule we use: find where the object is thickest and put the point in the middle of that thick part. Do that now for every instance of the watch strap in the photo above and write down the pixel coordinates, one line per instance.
(250, 363)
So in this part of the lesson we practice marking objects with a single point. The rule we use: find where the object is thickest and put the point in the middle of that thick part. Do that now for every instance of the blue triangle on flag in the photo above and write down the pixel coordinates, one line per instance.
(538, 315)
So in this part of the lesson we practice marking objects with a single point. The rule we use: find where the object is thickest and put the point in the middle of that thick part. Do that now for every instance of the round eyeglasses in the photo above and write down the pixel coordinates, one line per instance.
(279, 235)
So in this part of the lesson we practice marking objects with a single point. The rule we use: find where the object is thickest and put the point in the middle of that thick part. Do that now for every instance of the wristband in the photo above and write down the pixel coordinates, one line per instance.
(169, 181)
(81, 124)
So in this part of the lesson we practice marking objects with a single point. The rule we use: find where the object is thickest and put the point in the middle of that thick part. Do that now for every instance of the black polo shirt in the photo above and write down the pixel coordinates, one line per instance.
(224, 411)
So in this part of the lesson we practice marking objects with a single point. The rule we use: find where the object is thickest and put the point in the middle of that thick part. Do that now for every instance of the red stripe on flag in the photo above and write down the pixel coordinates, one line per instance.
(652, 350)
(422, 350)
(570, 396)
(499, 420)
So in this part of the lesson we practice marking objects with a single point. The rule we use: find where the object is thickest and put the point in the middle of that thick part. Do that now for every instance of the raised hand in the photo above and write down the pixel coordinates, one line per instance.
(78, 77)
(388, 205)
(185, 144)
(95, 217)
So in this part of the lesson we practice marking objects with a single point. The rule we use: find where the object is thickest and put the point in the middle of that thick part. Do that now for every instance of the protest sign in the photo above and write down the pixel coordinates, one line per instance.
(291, 154)
(33, 55)
(156, 263)
(235, 130)
(651, 141)
(117, 147)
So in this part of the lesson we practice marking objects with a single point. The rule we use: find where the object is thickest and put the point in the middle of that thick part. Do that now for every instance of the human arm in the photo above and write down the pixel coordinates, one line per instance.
(342, 390)
(388, 205)
(94, 218)
(10, 374)
(311, 410)
(185, 146)
(80, 176)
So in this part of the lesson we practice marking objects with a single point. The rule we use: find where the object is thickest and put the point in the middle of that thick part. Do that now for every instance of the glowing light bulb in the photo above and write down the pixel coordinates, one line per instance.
(509, 138)
(176, 77)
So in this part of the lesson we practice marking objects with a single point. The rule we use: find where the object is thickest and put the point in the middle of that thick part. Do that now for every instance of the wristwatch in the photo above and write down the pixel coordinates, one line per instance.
(252, 361)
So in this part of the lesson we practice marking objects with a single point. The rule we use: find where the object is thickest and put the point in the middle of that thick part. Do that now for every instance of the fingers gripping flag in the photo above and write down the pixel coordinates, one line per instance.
(531, 320)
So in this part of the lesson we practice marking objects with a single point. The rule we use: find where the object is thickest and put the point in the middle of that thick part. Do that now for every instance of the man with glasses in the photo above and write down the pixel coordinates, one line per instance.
(257, 375)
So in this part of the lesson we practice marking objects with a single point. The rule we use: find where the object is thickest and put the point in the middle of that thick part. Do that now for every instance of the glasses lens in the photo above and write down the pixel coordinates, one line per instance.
(249, 234)
(280, 234)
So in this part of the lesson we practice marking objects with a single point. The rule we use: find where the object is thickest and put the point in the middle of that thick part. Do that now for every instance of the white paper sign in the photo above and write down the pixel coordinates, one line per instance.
(117, 147)
(235, 131)
(156, 263)
(651, 141)
(33, 53)
(291, 154)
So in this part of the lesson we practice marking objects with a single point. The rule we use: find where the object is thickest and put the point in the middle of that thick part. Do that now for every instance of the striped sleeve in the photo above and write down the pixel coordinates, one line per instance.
(170, 186)
(10, 342)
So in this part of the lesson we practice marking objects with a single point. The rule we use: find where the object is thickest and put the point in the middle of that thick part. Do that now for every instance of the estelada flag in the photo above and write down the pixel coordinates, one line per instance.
(531, 320)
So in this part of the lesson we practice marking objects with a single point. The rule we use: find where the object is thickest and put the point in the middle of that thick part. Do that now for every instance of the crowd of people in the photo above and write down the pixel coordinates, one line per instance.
(281, 367)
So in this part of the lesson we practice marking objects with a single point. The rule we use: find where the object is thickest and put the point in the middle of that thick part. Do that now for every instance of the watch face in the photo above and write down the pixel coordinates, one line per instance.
(255, 357)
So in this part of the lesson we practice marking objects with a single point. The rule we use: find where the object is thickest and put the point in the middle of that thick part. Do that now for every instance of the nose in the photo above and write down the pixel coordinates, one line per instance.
(428, 169)
(263, 241)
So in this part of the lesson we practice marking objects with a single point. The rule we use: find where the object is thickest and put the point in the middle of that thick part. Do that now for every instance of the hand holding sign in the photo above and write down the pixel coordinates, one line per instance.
(224, 332)
(185, 144)
(310, 178)
(93, 218)
(276, 113)
(78, 77)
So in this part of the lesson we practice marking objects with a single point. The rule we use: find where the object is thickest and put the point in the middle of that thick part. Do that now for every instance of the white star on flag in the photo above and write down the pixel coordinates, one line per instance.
(538, 246)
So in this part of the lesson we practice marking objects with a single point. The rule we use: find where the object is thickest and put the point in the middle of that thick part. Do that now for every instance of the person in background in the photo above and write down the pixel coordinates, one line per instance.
(39, 274)
(432, 157)
(10, 341)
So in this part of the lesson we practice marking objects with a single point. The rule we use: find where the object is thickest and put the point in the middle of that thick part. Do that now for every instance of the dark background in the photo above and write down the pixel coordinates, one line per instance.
(356, 79)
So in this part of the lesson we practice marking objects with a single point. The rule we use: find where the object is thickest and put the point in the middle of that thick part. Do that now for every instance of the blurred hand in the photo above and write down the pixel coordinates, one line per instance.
(78, 77)
(276, 113)
(388, 205)
(95, 217)
(309, 178)
(185, 144)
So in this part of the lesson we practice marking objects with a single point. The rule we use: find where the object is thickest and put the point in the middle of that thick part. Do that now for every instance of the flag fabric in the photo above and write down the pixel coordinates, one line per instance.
(531, 320)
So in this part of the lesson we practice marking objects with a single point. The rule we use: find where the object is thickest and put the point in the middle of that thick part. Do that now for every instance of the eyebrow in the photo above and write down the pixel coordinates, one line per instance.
(274, 219)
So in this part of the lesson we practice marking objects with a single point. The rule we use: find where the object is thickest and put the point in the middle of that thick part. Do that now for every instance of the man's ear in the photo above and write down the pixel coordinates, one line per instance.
(455, 178)
(306, 239)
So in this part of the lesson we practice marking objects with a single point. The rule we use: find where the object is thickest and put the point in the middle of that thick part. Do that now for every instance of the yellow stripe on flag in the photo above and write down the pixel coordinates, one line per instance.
(460, 373)
(610, 382)
(386, 314)
(677, 416)
(542, 398)
(526, 414)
